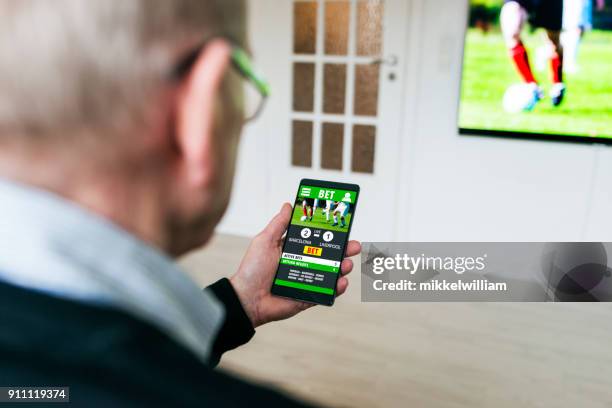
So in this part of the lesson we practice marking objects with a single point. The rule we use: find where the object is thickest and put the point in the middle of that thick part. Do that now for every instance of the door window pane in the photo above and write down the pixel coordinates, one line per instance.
(303, 86)
(301, 146)
(369, 27)
(334, 88)
(331, 146)
(366, 89)
(336, 27)
(363, 148)
(304, 27)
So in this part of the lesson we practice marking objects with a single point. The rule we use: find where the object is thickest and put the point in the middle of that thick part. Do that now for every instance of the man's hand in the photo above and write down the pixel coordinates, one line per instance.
(254, 278)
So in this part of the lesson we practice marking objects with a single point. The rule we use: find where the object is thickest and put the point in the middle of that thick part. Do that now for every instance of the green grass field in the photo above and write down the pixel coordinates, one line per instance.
(487, 72)
(318, 220)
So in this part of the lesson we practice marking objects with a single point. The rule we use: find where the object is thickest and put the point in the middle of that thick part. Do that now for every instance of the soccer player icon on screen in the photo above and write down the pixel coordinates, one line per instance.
(308, 206)
(546, 14)
(342, 209)
(328, 209)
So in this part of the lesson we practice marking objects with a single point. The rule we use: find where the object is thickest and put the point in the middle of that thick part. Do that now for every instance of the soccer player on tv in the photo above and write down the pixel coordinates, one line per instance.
(577, 19)
(547, 14)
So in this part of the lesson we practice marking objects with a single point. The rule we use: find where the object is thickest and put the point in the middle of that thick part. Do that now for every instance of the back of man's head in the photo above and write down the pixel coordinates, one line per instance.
(89, 108)
(73, 66)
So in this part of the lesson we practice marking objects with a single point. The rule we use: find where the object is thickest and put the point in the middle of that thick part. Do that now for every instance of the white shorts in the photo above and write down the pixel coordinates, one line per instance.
(577, 14)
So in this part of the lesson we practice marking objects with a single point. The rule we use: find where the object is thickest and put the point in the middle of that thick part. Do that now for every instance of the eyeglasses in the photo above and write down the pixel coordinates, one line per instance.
(256, 90)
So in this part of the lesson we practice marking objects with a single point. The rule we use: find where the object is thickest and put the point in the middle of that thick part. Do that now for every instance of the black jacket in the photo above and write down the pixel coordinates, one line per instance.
(109, 358)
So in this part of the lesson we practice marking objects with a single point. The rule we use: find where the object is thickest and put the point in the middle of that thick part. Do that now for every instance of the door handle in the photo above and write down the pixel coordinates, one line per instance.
(390, 60)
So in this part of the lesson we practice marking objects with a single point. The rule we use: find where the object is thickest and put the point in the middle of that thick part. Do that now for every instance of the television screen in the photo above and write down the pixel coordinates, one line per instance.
(538, 68)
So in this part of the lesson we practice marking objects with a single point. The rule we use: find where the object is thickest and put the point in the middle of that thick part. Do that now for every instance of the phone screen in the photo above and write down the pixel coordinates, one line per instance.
(316, 241)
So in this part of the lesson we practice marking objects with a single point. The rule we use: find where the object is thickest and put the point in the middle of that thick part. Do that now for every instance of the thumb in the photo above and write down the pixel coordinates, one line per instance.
(276, 228)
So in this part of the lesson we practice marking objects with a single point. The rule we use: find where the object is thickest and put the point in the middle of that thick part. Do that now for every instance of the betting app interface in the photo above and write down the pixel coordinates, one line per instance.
(316, 239)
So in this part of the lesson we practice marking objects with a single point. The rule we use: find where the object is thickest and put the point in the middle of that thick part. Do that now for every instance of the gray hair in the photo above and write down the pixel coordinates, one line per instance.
(92, 64)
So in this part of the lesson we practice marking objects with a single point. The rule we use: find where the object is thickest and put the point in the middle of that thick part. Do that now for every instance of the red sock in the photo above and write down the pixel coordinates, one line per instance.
(556, 65)
(521, 60)
(311, 211)
(304, 210)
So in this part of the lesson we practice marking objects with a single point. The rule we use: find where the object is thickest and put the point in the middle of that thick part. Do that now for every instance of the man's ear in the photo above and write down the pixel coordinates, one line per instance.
(196, 112)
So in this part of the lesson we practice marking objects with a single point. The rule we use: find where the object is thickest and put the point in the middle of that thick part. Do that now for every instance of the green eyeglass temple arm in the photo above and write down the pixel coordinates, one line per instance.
(243, 64)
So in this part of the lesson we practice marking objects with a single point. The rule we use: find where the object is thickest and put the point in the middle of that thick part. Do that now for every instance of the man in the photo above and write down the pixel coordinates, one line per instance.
(327, 210)
(342, 209)
(577, 19)
(308, 206)
(547, 14)
(119, 124)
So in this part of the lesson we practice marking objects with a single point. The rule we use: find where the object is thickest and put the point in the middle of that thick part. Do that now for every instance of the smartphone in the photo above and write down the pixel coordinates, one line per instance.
(316, 240)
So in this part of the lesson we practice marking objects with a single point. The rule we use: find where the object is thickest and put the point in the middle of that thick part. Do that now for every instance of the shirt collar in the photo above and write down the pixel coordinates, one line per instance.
(52, 245)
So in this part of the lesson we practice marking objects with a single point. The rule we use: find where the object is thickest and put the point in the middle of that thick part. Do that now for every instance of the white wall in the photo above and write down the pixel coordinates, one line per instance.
(455, 188)
(249, 208)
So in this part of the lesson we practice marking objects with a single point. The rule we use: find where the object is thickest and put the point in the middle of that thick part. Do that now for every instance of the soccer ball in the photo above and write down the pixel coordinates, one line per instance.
(303, 218)
(519, 97)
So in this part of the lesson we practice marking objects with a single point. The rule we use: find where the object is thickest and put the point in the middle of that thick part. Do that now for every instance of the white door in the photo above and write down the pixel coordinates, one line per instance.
(336, 74)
